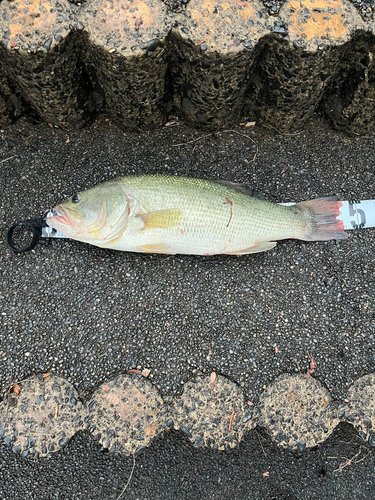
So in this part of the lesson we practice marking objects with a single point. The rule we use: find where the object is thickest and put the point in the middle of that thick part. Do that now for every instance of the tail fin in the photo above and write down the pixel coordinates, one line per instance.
(321, 216)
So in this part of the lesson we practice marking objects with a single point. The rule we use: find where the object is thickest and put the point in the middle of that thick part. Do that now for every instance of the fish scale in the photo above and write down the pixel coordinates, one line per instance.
(206, 221)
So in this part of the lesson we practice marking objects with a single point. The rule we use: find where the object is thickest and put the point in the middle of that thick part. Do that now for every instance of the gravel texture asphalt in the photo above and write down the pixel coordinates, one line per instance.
(88, 314)
(171, 468)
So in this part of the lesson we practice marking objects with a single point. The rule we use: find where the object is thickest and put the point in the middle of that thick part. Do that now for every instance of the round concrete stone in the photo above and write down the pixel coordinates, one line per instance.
(127, 55)
(41, 60)
(360, 410)
(298, 412)
(212, 412)
(42, 418)
(214, 46)
(126, 413)
(300, 61)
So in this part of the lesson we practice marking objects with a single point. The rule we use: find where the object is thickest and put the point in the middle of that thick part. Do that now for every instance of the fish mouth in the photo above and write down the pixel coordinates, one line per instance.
(52, 212)
(60, 216)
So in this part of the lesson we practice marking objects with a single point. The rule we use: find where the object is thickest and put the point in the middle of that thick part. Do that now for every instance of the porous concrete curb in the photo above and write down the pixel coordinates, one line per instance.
(39, 415)
(212, 64)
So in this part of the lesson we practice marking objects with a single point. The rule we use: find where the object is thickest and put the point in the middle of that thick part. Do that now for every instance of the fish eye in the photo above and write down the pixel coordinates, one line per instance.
(76, 198)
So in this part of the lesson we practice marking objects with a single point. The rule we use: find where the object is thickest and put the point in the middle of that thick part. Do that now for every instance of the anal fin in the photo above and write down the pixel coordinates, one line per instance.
(155, 248)
(263, 246)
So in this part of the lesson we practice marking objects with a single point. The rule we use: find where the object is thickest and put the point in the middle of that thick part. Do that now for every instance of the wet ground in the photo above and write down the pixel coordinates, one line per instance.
(171, 468)
(89, 314)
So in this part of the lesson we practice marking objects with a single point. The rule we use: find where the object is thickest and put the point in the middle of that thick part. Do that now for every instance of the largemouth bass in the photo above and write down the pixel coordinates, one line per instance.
(177, 215)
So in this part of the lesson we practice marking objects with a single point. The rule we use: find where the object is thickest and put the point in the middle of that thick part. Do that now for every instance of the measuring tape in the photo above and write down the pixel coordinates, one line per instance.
(354, 214)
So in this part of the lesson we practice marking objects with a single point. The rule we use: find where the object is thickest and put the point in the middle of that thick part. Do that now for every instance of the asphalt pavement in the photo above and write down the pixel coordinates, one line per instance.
(89, 314)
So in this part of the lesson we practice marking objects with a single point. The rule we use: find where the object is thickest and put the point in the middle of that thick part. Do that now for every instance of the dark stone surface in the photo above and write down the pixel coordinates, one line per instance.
(209, 89)
(287, 83)
(212, 60)
(172, 468)
(349, 101)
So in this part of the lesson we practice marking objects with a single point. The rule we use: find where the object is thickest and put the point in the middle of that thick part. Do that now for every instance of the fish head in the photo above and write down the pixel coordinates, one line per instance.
(96, 215)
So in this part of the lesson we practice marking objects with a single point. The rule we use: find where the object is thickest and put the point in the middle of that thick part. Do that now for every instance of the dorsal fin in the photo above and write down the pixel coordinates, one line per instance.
(243, 189)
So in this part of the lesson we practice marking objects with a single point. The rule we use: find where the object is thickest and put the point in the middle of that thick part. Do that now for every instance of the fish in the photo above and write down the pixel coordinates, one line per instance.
(180, 215)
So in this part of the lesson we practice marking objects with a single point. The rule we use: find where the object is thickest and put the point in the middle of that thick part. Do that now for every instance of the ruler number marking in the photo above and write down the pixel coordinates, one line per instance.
(358, 213)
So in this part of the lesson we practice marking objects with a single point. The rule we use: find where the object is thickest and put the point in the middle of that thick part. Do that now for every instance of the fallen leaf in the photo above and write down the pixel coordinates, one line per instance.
(231, 420)
(16, 389)
(312, 367)
(249, 124)
(135, 371)
(137, 23)
(146, 372)
(200, 43)
(212, 377)
(276, 349)
(228, 20)
(266, 474)
(45, 375)
(68, 140)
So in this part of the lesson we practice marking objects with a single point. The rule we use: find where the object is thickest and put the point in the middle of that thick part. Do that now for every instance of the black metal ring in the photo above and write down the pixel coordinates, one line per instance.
(37, 233)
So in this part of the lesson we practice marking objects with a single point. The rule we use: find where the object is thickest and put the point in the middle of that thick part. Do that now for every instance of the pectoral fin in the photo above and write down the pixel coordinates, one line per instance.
(256, 248)
(155, 248)
(162, 219)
